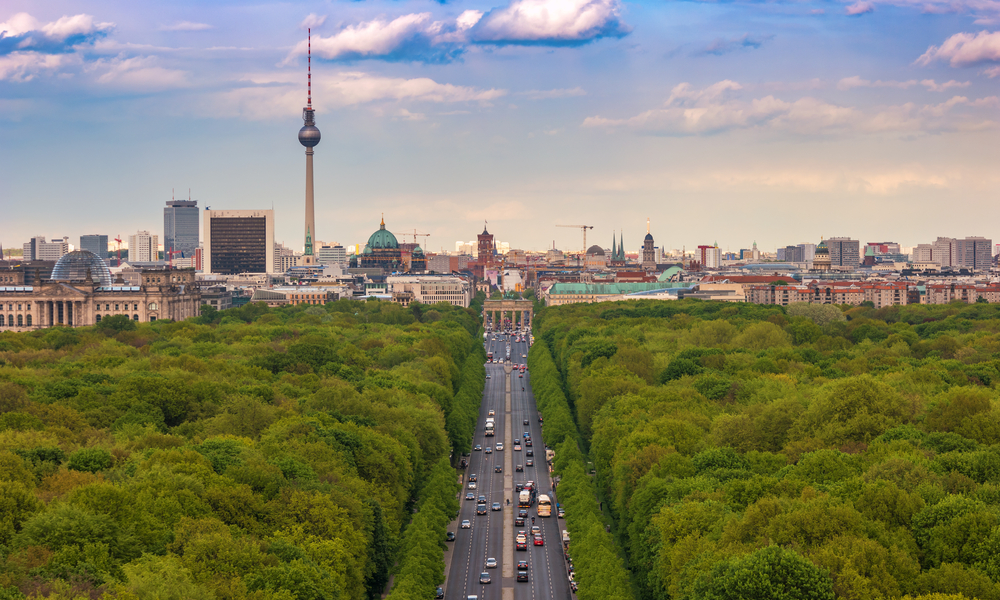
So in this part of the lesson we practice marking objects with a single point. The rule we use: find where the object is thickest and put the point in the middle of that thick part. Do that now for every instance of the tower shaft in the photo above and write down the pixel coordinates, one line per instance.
(310, 209)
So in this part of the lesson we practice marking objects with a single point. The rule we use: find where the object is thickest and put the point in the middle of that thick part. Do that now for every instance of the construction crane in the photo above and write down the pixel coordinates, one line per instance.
(415, 234)
(119, 240)
(584, 228)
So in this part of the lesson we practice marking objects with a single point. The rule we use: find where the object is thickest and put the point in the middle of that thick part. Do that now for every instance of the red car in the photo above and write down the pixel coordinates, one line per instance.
(539, 541)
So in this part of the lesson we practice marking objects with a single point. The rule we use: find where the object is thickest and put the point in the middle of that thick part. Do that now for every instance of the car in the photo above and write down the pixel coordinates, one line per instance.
(517, 447)
(521, 538)
(539, 541)
(482, 499)
(492, 413)
(521, 375)
(525, 421)
(484, 577)
(472, 485)
(518, 486)
(498, 469)
(519, 469)
(524, 356)
(480, 509)
(491, 563)
(488, 377)
(478, 447)
(488, 450)
(527, 435)
(466, 524)
(470, 496)
(529, 453)
(439, 593)
(529, 463)
(499, 446)
(522, 575)
(521, 546)
(471, 597)
(519, 522)
(561, 513)
(497, 506)
(450, 536)
(536, 530)
(527, 443)
(473, 477)
(522, 565)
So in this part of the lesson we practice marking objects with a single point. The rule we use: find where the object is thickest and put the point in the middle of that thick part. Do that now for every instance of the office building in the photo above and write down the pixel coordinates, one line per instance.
(98, 244)
(844, 252)
(710, 257)
(39, 249)
(331, 255)
(143, 247)
(180, 229)
(238, 241)
(973, 253)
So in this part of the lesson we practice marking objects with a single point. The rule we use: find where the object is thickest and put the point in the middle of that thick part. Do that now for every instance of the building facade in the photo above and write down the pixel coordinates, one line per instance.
(39, 249)
(143, 247)
(98, 244)
(648, 251)
(844, 252)
(81, 292)
(382, 250)
(180, 228)
(331, 255)
(429, 289)
(238, 241)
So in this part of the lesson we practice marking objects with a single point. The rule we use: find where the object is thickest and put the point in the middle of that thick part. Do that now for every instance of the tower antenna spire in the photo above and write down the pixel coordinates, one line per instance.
(309, 70)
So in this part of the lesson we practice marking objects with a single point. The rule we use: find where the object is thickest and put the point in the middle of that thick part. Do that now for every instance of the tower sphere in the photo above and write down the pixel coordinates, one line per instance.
(309, 136)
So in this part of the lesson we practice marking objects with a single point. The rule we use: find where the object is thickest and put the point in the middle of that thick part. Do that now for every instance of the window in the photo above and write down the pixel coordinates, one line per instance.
(29, 320)
(135, 317)
(10, 320)
(116, 306)
(19, 306)
(151, 319)
(135, 306)
(98, 318)
(153, 306)
(20, 320)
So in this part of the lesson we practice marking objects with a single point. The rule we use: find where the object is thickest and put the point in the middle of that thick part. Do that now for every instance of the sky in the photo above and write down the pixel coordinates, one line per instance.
(778, 121)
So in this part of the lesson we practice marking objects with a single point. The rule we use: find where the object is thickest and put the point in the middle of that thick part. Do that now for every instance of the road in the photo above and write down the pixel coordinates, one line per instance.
(492, 535)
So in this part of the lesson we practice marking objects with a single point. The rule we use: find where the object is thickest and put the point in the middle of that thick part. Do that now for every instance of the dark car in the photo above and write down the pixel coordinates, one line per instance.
(470, 496)
(473, 477)
(484, 577)
(478, 447)
(525, 421)
(519, 469)
(480, 509)
(522, 565)
(529, 463)
(519, 522)
(522, 546)
(528, 444)
(518, 486)
(439, 593)
(498, 469)
(523, 513)
(529, 453)
(450, 536)
(482, 499)
(522, 575)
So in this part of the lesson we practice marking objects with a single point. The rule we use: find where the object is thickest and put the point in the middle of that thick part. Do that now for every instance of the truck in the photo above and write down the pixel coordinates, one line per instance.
(489, 427)
(524, 499)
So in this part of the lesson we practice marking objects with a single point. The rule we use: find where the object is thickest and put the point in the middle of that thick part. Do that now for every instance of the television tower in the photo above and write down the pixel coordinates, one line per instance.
(309, 137)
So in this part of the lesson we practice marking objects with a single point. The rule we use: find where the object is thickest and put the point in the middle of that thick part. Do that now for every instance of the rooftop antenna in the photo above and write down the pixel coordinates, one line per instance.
(189, 194)
(309, 76)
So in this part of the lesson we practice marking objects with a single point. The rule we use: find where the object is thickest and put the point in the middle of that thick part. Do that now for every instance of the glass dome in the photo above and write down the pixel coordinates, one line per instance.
(75, 265)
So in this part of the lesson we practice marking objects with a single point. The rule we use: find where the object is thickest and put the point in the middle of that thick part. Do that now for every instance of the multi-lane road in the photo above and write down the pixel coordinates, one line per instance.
(491, 535)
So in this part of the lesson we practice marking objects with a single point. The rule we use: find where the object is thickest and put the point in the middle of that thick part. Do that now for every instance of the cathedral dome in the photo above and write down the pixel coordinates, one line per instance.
(77, 264)
(382, 239)
(648, 238)
(822, 248)
(595, 250)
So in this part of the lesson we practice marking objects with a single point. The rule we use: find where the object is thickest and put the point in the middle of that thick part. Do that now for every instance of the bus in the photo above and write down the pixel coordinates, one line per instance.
(544, 506)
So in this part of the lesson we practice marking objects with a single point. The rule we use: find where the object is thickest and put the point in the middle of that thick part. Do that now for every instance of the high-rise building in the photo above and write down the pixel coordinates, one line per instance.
(180, 228)
(793, 254)
(143, 247)
(238, 241)
(487, 248)
(39, 249)
(710, 256)
(973, 253)
(844, 252)
(331, 255)
(98, 244)
(808, 252)
(309, 137)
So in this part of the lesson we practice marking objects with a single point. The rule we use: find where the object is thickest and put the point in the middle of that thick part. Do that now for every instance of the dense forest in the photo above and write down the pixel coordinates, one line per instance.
(752, 452)
(270, 454)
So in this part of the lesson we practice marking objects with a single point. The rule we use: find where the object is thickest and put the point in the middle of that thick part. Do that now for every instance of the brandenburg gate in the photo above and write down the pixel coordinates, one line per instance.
(495, 312)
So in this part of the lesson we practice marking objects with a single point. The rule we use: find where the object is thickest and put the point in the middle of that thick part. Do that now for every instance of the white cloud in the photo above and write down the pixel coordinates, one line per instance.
(313, 21)
(280, 94)
(965, 49)
(67, 27)
(855, 82)
(19, 24)
(859, 8)
(468, 18)
(378, 38)
(187, 26)
(140, 73)
(551, 22)
(23, 66)
(558, 93)
(716, 108)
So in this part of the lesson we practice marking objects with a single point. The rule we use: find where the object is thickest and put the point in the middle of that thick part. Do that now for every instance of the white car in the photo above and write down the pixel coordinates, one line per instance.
(491, 563)
(466, 524)
(499, 446)
(472, 485)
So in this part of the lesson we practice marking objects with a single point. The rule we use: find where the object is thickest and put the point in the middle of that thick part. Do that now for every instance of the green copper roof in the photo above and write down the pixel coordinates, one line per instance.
(382, 239)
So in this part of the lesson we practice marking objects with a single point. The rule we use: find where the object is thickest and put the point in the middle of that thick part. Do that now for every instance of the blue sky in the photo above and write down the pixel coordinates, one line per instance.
(777, 121)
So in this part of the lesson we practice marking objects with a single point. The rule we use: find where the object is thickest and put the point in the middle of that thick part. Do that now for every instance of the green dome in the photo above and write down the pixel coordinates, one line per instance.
(382, 239)
(418, 250)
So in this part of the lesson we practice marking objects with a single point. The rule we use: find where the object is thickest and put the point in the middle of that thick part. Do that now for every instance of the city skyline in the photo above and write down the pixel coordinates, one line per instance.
(779, 122)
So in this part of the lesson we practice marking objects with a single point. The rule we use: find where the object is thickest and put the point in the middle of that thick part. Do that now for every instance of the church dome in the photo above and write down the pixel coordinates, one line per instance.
(76, 265)
(595, 250)
(418, 250)
(382, 239)
(648, 238)
(822, 248)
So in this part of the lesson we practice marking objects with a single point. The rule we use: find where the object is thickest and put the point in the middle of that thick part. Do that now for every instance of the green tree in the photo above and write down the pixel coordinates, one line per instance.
(771, 573)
